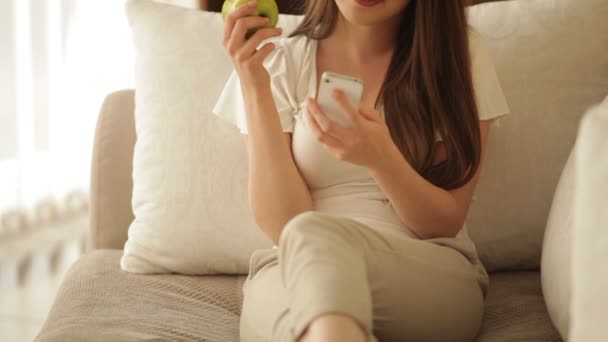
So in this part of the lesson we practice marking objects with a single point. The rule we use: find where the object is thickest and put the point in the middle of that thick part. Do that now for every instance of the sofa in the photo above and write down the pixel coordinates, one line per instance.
(97, 301)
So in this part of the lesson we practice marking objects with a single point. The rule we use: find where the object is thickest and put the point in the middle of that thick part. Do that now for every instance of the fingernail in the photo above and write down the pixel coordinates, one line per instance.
(251, 3)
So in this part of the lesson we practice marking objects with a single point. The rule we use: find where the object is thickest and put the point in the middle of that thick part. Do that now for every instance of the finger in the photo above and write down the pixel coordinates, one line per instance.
(231, 20)
(239, 33)
(346, 105)
(320, 117)
(327, 125)
(323, 137)
(261, 35)
(263, 52)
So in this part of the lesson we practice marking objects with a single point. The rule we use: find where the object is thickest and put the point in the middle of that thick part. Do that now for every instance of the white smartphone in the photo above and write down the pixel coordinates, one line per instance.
(352, 88)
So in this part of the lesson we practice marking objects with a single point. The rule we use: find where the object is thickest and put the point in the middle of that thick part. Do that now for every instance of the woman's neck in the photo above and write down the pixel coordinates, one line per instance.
(362, 44)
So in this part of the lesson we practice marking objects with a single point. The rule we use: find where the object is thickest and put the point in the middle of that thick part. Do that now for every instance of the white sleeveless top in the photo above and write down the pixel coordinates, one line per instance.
(339, 187)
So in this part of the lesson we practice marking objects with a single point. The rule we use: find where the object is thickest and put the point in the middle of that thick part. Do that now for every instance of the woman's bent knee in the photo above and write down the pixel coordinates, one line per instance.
(313, 225)
(301, 224)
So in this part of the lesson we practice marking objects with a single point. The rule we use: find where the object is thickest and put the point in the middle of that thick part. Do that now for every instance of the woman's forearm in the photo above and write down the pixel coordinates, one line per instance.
(277, 191)
(427, 210)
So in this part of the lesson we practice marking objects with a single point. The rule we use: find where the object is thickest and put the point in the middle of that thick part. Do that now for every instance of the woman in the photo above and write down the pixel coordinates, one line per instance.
(368, 219)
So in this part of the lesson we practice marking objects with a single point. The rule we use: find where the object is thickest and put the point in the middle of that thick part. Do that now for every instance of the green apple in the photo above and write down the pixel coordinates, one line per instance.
(265, 8)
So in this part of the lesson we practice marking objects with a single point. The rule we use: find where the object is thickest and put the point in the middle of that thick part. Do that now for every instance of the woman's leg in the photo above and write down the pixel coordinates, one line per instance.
(399, 288)
(264, 297)
(333, 327)
(425, 292)
(264, 302)
(414, 290)
(324, 272)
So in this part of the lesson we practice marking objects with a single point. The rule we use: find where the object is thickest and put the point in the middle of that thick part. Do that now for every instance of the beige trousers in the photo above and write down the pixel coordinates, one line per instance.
(396, 287)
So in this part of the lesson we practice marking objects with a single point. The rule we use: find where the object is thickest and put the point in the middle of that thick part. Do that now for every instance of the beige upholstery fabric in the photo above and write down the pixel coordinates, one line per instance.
(111, 181)
(515, 310)
(99, 302)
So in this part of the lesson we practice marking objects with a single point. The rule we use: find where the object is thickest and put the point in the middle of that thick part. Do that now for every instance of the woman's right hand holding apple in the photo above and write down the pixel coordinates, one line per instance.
(247, 59)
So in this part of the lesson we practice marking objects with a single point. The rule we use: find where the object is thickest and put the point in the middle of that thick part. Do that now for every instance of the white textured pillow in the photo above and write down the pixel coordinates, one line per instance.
(189, 167)
(590, 236)
(556, 262)
(552, 61)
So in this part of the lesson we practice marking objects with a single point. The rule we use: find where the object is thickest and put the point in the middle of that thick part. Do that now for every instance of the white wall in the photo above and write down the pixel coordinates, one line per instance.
(182, 3)
(58, 60)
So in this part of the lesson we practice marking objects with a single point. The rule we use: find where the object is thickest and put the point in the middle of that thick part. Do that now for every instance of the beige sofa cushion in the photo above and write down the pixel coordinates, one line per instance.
(515, 310)
(111, 172)
(552, 66)
(97, 302)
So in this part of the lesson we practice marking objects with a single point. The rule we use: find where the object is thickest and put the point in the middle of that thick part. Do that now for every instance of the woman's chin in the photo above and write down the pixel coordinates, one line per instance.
(361, 15)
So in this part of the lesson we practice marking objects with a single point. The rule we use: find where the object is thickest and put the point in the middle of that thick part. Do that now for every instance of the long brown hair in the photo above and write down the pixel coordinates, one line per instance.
(428, 86)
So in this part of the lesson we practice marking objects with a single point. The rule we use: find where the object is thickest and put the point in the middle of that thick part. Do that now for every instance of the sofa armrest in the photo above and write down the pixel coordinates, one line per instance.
(111, 172)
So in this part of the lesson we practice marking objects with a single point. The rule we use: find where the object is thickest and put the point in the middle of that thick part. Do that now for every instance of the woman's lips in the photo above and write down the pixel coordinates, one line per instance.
(368, 3)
